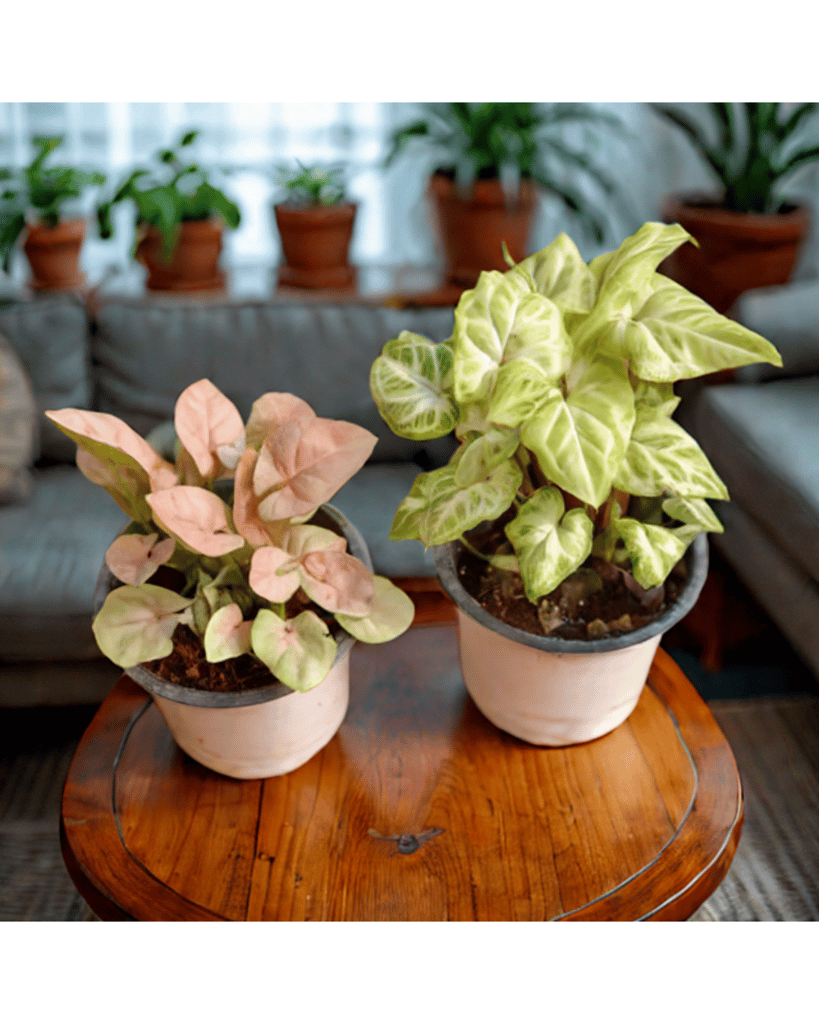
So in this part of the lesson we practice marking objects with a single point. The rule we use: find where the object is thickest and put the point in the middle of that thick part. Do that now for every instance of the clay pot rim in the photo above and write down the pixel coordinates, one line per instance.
(274, 690)
(485, 192)
(296, 215)
(70, 228)
(684, 206)
(696, 560)
(210, 225)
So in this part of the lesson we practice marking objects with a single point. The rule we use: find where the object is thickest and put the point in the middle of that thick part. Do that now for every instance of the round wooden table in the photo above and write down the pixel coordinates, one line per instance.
(419, 809)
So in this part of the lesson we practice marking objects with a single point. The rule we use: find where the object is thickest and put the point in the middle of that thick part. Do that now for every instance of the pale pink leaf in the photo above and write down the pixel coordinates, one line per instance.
(391, 614)
(196, 517)
(274, 574)
(299, 652)
(103, 428)
(204, 419)
(136, 623)
(306, 462)
(227, 634)
(272, 411)
(246, 505)
(134, 558)
(299, 540)
(338, 582)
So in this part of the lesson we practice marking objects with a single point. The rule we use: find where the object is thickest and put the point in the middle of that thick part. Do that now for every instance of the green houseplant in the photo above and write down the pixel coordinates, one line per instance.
(749, 230)
(261, 599)
(573, 495)
(52, 242)
(315, 222)
(178, 225)
(488, 162)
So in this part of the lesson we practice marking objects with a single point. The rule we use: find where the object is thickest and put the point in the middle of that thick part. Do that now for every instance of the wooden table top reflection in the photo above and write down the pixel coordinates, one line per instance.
(418, 809)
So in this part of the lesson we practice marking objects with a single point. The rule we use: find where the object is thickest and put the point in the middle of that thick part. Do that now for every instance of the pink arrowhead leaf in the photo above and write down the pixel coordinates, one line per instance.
(306, 462)
(196, 517)
(136, 623)
(390, 615)
(227, 634)
(299, 652)
(204, 420)
(272, 411)
(274, 574)
(246, 505)
(134, 558)
(338, 582)
(300, 540)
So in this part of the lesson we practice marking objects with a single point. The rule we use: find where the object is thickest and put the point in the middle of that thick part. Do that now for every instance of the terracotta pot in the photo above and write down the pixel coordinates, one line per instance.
(263, 732)
(549, 691)
(316, 243)
(54, 255)
(194, 265)
(472, 229)
(737, 251)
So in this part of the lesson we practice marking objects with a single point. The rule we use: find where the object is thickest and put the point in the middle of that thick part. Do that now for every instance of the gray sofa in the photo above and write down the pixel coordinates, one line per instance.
(132, 357)
(761, 433)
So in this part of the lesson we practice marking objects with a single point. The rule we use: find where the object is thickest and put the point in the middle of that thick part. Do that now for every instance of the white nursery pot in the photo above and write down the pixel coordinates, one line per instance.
(547, 690)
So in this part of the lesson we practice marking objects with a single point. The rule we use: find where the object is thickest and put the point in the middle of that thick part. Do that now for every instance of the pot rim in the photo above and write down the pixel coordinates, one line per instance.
(274, 690)
(689, 205)
(696, 560)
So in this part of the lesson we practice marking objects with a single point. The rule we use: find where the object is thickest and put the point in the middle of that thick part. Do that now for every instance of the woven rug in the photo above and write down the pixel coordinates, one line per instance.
(774, 876)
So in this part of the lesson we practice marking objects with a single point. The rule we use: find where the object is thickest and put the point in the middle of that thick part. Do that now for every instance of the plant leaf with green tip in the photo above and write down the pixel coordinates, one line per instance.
(654, 550)
(662, 457)
(659, 397)
(391, 613)
(136, 623)
(483, 453)
(519, 392)
(693, 512)
(560, 273)
(675, 336)
(299, 652)
(227, 634)
(550, 543)
(579, 440)
(409, 383)
(634, 262)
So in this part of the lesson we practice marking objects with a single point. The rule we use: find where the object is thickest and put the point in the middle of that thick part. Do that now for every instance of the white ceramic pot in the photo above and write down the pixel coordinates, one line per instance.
(549, 691)
(263, 732)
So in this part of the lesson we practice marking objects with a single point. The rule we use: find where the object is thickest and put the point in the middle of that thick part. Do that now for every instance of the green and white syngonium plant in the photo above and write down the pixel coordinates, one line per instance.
(557, 381)
(232, 515)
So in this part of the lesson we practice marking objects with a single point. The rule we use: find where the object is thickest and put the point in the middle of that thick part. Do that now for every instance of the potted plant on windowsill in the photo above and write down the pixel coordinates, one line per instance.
(564, 521)
(490, 163)
(749, 233)
(315, 224)
(235, 599)
(52, 241)
(179, 221)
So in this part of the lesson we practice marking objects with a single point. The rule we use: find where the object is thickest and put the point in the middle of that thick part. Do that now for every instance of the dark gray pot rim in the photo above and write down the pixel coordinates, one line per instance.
(696, 560)
(154, 684)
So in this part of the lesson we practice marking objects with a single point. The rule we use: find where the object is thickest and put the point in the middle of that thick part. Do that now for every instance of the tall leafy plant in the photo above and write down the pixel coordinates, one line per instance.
(751, 148)
(312, 185)
(557, 382)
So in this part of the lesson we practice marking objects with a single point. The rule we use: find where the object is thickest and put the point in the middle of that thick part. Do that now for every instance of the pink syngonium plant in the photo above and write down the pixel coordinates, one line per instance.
(232, 514)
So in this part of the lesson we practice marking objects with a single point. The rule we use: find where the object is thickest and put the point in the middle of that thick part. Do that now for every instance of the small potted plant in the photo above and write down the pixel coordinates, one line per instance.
(564, 521)
(237, 592)
(315, 224)
(489, 161)
(179, 221)
(52, 241)
(749, 232)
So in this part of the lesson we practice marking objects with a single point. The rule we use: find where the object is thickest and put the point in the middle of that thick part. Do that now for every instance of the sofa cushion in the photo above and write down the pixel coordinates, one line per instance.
(763, 440)
(18, 426)
(51, 550)
(51, 337)
(146, 351)
(788, 316)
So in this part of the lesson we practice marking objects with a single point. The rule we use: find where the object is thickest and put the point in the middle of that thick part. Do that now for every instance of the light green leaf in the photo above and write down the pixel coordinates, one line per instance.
(538, 336)
(654, 550)
(299, 652)
(550, 543)
(519, 392)
(634, 262)
(659, 397)
(693, 512)
(675, 336)
(136, 623)
(662, 457)
(410, 384)
(560, 273)
(227, 634)
(438, 510)
(390, 615)
(480, 455)
(580, 440)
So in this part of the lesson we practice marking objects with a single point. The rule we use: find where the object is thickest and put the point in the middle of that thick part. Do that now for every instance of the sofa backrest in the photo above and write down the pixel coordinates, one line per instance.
(788, 316)
(146, 351)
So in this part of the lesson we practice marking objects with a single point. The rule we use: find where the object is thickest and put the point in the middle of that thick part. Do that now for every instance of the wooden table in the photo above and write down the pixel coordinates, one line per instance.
(418, 809)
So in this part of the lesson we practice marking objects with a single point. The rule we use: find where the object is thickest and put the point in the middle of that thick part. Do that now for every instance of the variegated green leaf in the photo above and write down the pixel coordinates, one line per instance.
(693, 512)
(480, 455)
(299, 652)
(136, 623)
(636, 259)
(390, 615)
(406, 524)
(550, 543)
(659, 397)
(675, 336)
(560, 273)
(654, 550)
(519, 392)
(410, 384)
(580, 439)
(227, 634)
(662, 457)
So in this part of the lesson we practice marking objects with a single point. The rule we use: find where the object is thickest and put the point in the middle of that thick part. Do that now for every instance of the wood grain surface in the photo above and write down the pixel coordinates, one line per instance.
(419, 809)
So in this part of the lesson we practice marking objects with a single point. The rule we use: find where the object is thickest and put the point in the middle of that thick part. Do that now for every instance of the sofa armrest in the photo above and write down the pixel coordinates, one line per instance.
(788, 316)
